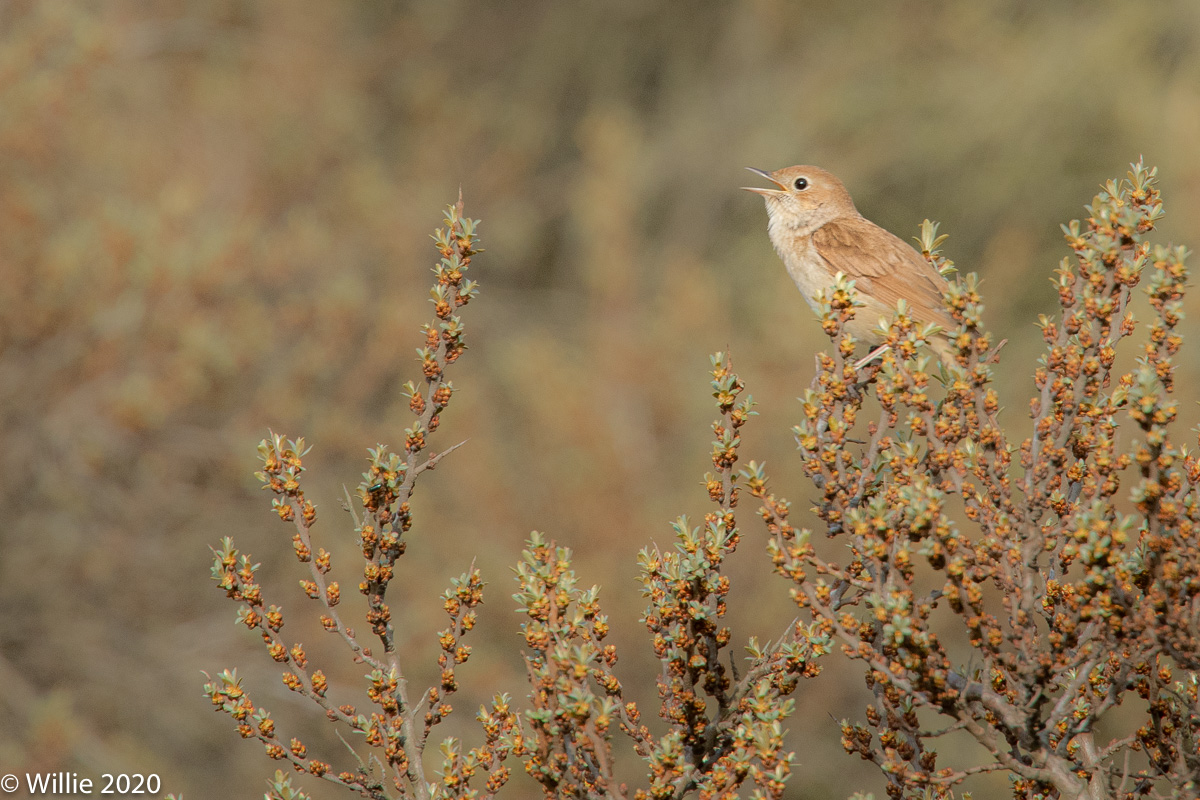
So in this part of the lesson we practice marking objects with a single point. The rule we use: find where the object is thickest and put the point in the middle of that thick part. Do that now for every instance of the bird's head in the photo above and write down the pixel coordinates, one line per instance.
(807, 198)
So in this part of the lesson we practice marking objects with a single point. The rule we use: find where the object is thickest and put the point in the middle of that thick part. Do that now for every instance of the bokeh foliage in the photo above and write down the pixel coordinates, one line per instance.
(213, 215)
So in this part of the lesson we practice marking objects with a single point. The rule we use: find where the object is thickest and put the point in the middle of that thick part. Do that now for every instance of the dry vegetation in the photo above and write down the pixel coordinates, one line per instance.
(1076, 580)
(213, 222)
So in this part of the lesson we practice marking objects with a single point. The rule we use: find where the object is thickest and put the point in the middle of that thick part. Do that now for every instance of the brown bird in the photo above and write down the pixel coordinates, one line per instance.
(818, 233)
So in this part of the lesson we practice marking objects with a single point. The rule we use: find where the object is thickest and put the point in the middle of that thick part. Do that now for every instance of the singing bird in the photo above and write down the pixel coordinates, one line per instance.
(818, 233)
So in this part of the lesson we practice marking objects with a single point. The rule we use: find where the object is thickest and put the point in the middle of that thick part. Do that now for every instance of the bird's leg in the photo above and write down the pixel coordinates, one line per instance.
(871, 356)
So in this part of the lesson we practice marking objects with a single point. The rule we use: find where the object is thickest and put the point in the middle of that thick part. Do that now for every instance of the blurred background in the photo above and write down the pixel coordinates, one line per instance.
(214, 221)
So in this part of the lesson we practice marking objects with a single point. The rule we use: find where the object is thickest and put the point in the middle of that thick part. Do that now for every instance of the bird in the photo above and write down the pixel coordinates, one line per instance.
(818, 232)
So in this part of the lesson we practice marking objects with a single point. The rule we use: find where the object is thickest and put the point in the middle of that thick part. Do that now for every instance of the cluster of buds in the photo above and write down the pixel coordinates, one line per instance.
(396, 729)
(576, 698)
(227, 695)
(726, 729)
(459, 602)
(502, 737)
(387, 486)
(686, 586)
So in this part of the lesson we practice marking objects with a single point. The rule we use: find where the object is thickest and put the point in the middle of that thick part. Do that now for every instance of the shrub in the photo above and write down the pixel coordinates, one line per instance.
(1009, 594)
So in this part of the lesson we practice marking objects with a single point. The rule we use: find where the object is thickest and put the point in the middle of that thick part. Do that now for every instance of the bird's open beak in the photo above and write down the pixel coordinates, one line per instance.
(764, 192)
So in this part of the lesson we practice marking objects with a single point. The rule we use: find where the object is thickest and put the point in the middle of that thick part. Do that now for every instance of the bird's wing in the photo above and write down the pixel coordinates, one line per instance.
(885, 267)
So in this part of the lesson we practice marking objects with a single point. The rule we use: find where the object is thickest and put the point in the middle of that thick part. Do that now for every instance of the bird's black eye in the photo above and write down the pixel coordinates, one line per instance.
(801, 184)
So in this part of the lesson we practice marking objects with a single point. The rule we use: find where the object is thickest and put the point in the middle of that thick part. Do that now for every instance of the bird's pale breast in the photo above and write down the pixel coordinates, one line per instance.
(812, 274)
